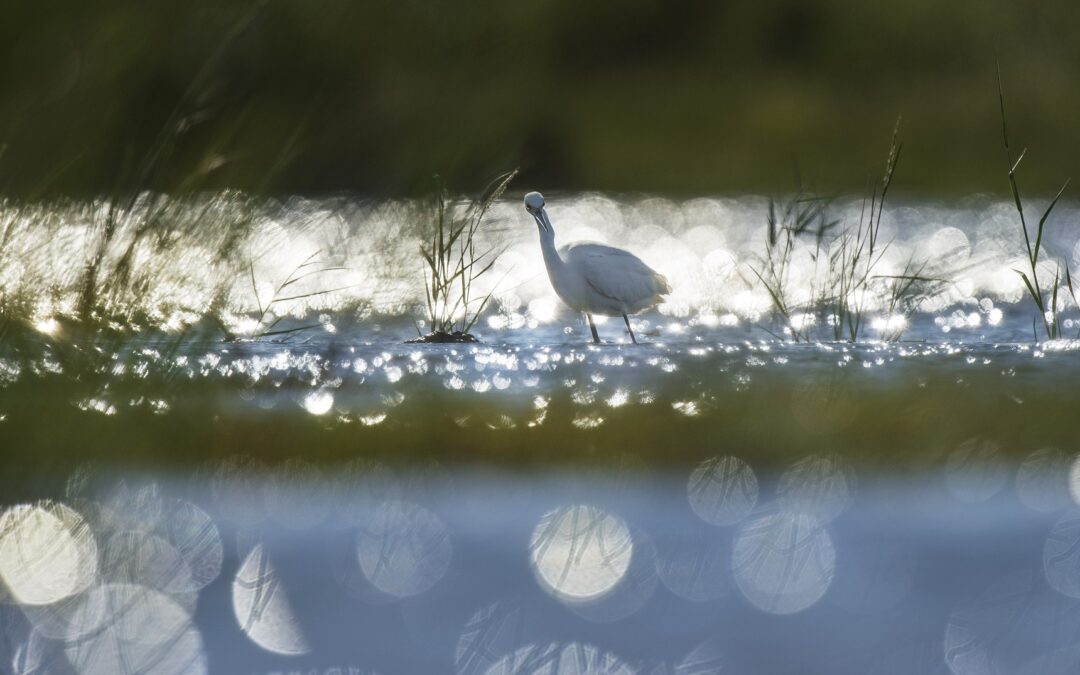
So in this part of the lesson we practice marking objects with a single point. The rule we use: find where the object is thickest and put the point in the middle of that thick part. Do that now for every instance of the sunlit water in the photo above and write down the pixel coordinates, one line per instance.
(360, 259)
(717, 499)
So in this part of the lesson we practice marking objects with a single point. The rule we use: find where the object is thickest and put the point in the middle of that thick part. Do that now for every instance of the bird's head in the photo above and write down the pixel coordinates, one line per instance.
(534, 201)
(534, 204)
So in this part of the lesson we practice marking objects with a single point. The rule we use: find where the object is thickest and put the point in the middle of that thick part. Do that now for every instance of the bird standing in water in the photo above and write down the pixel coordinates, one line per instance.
(595, 278)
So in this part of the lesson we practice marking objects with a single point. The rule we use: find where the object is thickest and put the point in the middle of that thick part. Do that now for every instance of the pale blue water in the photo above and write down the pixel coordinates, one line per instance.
(868, 575)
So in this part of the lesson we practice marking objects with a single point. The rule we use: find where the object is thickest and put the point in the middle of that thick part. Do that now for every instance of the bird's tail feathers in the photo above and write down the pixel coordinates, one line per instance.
(663, 287)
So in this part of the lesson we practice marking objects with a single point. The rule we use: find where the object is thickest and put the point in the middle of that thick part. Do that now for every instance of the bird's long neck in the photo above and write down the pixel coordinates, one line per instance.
(552, 260)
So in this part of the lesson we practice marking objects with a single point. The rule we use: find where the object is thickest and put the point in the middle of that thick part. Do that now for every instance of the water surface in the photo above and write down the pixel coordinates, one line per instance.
(739, 493)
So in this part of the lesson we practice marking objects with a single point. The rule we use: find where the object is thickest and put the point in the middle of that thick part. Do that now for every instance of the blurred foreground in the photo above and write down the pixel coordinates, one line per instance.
(718, 569)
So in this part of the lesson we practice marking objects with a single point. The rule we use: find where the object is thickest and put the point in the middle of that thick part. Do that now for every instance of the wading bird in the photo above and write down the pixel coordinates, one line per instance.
(594, 278)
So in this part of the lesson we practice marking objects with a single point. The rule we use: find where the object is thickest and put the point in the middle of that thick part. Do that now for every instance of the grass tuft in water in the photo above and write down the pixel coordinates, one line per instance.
(844, 278)
(859, 252)
(786, 223)
(266, 321)
(454, 263)
(1048, 311)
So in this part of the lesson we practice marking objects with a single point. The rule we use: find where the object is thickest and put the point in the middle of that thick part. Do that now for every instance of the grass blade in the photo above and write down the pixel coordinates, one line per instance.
(1045, 215)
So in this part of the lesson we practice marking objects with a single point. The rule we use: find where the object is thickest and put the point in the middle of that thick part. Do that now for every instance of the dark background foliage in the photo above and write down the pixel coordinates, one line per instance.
(669, 96)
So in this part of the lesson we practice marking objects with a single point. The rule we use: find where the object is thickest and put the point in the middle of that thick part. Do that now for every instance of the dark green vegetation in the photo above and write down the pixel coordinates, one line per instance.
(678, 97)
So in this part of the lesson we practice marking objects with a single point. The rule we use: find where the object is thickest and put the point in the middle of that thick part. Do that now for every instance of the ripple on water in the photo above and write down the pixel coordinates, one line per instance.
(195, 536)
(39, 655)
(1074, 480)
(295, 496)
(158, 528)
(358, 489)
(923, 658)
(572, 658)
(825, 404)
(632, 592)
(580, 552)
(319, 402)
(262, 607)
(149, 561)
(722, 490)
(237, 491)
(695, 566)
(491, 632)
(1042, 480)
(47, 553)
(784, 562)
(976, 470)
(1061, 661)
(873, 575)
(707, 658)
(1009, 623)
(821, 486)
(134, 630)
(1061, 555)
(405, 550)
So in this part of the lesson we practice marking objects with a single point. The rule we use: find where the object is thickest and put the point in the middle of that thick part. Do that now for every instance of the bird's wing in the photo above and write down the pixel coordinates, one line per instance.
(615, 273)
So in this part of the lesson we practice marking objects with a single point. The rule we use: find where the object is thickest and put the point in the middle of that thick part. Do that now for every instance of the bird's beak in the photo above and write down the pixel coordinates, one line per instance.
(541, 219)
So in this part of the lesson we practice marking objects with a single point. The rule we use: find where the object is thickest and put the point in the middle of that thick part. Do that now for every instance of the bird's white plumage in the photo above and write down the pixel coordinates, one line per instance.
(596, 278)
(617, 281)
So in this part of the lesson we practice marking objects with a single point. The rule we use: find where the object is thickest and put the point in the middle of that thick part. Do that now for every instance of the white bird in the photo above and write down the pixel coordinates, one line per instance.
(595, 278)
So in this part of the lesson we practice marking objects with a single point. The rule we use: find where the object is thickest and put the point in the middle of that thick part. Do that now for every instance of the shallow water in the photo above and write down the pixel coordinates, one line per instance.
(359, 261)
(712, 500)
(820, 569)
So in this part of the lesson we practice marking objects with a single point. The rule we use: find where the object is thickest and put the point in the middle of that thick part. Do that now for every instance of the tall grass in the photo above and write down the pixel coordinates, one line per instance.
(787, 223)
(266, 321)
(903, 293)
(154, 232)
(1045, 300)
(860, 250)
(454, 263)
(136, 200)
(846, 279)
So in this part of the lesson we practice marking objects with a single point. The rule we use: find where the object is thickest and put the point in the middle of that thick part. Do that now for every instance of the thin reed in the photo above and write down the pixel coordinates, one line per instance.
(786, 223)
(846, 276)
(455, 262)
(1045, 300)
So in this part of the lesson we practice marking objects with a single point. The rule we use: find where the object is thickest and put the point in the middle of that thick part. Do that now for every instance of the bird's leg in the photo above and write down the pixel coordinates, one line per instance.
(627, 320)
(592, 327)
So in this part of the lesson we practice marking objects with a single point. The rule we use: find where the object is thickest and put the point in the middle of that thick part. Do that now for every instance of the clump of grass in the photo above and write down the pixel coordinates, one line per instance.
(454, 263)
(265, 321)
(1047, 306)
(137, 209)
(859, 252)
(844, 278)
(904, 291)
(139, 236)
(786, 223)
